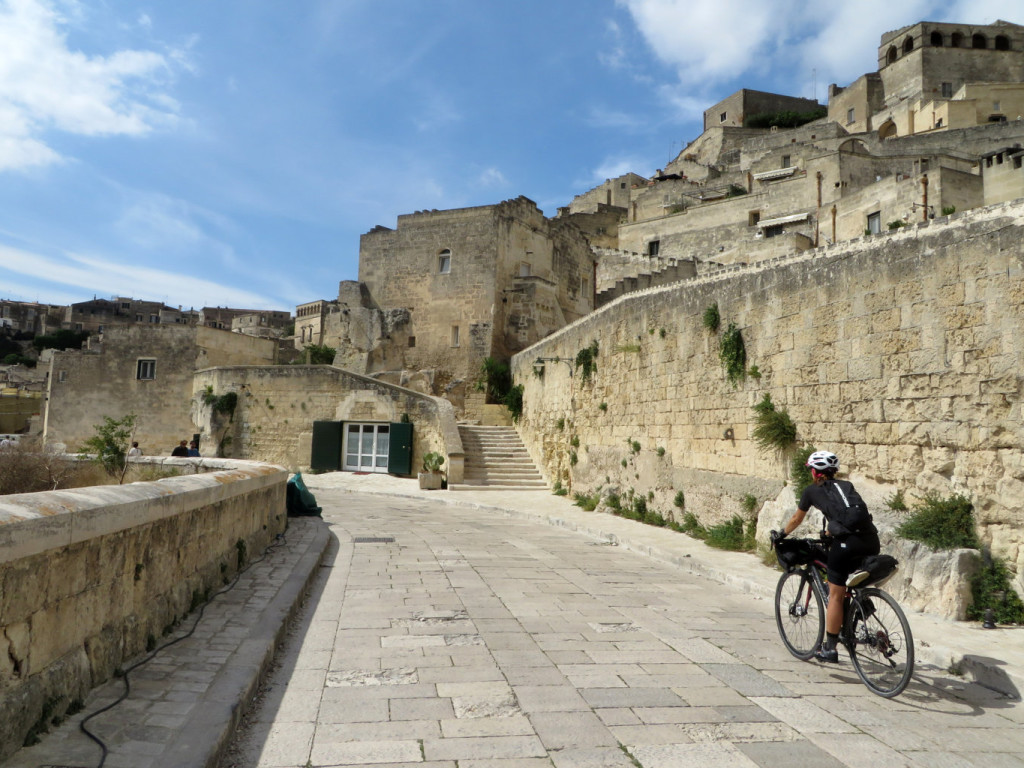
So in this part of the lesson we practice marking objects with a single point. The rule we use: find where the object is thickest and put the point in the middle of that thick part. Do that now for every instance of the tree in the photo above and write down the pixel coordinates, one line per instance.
(110, 444)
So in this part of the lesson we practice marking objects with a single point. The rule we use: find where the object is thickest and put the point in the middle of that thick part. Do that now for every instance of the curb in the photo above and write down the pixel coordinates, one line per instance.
(212, 724)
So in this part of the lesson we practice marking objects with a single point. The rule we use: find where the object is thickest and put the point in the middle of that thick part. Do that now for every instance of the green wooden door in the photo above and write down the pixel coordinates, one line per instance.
(400, 450)
(326, 453)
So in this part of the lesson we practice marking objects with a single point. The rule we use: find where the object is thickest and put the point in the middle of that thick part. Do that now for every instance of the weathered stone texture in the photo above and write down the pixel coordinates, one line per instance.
(901, 353)
(89, 577)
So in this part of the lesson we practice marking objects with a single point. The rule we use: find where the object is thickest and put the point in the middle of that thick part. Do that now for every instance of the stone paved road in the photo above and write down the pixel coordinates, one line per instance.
(477, 641)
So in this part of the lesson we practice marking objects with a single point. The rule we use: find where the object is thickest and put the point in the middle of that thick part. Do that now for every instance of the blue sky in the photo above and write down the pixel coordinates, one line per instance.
(220, 152)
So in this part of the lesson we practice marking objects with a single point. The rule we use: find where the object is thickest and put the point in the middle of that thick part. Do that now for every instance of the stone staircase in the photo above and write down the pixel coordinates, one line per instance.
(497, 459)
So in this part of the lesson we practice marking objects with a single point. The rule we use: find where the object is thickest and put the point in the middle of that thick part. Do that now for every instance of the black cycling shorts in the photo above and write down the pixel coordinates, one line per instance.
(844, 555)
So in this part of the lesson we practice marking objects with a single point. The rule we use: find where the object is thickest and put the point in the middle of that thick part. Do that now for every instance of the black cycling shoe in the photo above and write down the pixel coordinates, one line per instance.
(827, 655)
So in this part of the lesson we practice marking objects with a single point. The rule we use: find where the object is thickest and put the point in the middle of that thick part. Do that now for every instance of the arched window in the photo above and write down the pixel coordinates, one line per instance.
(444, 262)
(956, 40)
(908, 45)
(1002, 43)
(937, 39)
(979, 41)
(890, 57)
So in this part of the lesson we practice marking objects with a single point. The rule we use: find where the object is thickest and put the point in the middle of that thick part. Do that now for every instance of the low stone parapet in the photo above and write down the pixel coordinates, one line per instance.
(91, 577)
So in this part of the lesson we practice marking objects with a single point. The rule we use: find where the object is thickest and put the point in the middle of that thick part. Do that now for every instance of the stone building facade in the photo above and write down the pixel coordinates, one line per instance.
(145, 370)
(446, 289)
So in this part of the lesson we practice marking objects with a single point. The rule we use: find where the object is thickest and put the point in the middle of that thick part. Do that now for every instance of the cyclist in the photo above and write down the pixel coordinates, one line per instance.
(847, 550)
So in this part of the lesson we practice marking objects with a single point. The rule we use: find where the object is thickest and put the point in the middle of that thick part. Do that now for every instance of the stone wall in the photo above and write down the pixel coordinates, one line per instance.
(93, 576)
(901, 353)
(277, 405)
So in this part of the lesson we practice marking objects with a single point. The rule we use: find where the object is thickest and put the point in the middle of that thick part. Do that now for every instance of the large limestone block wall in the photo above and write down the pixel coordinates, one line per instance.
(90, 577)
(902, 353)
(277, 405)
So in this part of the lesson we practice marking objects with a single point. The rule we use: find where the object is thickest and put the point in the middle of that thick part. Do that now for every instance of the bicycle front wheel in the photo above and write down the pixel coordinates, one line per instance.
(881, 645)
(799, 613)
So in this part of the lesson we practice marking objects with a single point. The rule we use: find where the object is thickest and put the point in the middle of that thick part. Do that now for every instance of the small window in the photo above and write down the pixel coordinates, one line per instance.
(455, 335)
(146, 370)
(786, 160)
(1002, 43)
(444, 262)
(525, 269)
(947, 90)
(850, 115)
(653, 247)
(995, 106)
(936, 39)
(125, 305)
(874, 222)
(154, 318)
(1017, 161)
(412, 341)
(622, 185)
(62, 375)
(979, 41)
(891, 54)
(957, 40)
(721, 117)
(753, 217)
(585, 284)
(138, 317)
(908, 45)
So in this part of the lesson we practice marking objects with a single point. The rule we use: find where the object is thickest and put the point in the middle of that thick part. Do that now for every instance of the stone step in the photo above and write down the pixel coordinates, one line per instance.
(495, 458)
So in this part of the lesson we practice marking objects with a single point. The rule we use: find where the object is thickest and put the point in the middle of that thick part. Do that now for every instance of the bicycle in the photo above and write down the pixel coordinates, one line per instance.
(875, 630)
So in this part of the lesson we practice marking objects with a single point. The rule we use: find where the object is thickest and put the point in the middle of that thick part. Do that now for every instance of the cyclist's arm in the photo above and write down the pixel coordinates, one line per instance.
(794, 521)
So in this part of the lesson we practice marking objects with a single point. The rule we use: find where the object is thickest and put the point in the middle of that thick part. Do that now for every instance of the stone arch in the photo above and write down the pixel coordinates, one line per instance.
(956, 40)
(887, 130)
(854, 147)
(979, 41)
(1002, 43)
(936, 39)
(890, 56)
(908, 45)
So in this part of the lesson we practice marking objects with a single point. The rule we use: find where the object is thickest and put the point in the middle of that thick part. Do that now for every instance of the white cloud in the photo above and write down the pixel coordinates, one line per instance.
(44, 85)
(492, 177)
(104, 277)
(611, 167)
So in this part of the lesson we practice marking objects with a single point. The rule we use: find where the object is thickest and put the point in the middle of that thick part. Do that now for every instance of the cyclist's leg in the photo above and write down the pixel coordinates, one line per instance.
(834, 612)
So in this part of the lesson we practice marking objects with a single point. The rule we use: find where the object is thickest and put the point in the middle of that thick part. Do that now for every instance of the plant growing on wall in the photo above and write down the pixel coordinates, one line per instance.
(799, 474)
(711, 319)
(586, 362)
(514, 402)
(942, 523)
(494, 380)
(773, 430)
(733, 354)
(896, 224)
(991, 590)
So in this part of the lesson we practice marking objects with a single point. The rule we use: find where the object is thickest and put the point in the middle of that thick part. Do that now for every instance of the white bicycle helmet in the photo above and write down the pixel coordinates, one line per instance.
(822, 460)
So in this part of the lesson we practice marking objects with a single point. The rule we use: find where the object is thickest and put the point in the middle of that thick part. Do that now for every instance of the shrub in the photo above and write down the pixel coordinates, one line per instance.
(774, 430)
(733, 354)
(692, 527)
(558, 489)
(586, 361)
(320, 354)
(587, 502)
(749, 503)
(494, 379)
(514, 402)
(942, 523)
(661, 451)
(110, 443)
(680, 500)
(798, 471)
(896, 224)
(896, 502)
(62, 339)
(575, 441)
(603, 406)
(754, 372)
(711, 318)
(634, 446)
(948, 210)
(732, 535)
(783, 118)
(991, 588)
(614, 501)
(560, 423)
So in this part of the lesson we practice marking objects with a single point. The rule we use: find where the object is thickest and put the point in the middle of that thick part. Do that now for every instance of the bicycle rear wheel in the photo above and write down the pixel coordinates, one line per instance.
(799, 613)
(880, 643)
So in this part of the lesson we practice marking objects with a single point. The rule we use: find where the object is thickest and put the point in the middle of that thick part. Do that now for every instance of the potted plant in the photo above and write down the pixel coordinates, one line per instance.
(431, 478)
